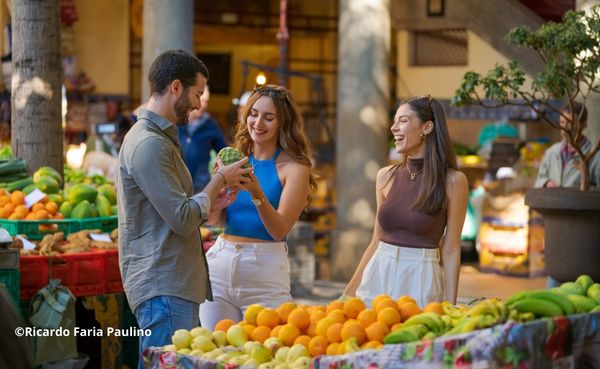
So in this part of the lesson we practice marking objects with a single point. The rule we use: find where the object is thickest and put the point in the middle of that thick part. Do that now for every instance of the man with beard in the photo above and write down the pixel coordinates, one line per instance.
(162, 261)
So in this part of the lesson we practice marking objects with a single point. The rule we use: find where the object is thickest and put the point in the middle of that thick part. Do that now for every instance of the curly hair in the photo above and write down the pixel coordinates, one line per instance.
(292, 137)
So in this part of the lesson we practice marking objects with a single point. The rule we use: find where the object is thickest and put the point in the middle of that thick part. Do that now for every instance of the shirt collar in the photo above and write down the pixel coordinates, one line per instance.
(158, 121)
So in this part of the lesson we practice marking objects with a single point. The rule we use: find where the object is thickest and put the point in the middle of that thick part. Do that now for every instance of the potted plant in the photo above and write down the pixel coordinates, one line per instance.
(570, 51)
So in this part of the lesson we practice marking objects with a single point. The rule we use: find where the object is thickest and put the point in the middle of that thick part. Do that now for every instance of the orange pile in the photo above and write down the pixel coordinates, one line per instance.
(12, 206)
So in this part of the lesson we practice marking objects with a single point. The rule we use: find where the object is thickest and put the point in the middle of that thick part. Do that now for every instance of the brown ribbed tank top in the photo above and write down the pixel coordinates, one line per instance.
(402, 225)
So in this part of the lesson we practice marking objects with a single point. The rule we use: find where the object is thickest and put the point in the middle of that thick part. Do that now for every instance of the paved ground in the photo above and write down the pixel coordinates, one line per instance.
(473, 284)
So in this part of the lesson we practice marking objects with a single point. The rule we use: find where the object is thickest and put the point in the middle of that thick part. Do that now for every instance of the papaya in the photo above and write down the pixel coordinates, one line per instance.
(66, 208)
(114, 209)
(80, 192)
(57, 198)
(103, 206)
(108, 191)
(47, 172)
(82, 210)
(47, 184)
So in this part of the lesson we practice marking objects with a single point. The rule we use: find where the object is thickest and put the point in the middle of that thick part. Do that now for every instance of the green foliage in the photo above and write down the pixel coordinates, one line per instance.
(570, 52)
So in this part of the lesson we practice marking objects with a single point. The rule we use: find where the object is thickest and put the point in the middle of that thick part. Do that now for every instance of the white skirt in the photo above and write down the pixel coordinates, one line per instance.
(398, 271)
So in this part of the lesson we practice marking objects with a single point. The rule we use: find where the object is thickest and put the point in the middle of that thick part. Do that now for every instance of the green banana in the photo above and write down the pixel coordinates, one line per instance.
(539, 307)
(583, 304)
(431, 320)
(516, 297)
(565, 304)
(408, 334)
(597, 308)
(429, 336)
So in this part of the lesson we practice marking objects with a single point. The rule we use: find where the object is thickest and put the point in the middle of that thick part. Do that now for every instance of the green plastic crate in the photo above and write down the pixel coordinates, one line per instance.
(11, 278)
(37, 229)
(105, 224)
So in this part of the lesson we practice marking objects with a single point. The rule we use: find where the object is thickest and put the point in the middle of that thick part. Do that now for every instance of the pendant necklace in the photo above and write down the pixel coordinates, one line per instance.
(415, 174)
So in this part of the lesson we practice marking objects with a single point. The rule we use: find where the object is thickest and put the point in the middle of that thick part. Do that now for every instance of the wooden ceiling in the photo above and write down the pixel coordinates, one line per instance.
(549, 10)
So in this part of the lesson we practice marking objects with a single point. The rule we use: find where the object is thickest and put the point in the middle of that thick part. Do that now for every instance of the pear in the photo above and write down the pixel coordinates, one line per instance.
(296, 351)
(282, 354)
(219, 338)
(273, 343)
(197, 353)
(270, 365)
(185, 351)
(223, 357)
(248, 346)
(251, 363)
(238, 360)
(182, 338)
(170, 348)
(200, 331)
(302, 362)
(282, 366)
(261, 354)
(203, 343)
(213, 354)
(236, 335)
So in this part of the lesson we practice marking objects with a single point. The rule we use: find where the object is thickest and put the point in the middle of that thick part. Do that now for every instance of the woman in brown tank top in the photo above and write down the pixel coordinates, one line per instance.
(421, 207)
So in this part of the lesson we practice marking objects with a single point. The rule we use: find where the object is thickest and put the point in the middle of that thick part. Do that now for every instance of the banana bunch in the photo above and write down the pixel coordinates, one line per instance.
(407, 334)
(455, 312)
(483, 314)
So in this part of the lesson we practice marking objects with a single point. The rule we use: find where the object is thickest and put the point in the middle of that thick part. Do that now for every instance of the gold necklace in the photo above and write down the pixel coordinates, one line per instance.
(415, 174)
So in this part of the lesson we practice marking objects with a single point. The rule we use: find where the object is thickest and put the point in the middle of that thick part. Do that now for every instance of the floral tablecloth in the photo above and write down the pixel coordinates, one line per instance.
(562, 342)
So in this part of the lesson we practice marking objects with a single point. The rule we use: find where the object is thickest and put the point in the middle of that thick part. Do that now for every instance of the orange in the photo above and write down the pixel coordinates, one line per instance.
(341, 349)
(323, 325)
(409, 309)
(10, 207)
(4, 200)
(300, 318)
(52, 207)
(267, 317)
(2, 191)
(335, 304)
(312, 329)
(377, 331)
(15, 216)
(284, 310)
(21, 209)
(388, 316)
(434, 307)
(303, 340)
(248, 328)
(332, 348)
(334, 332)
(315, 316)
(353, 306)
(403, 299)
(5, 213)
(44, 199)
(314, 308)
(58, 216)
(385, 304)
(30, 216)
(354, 329)
(275, 331)
(224, 324)
(42, 214)
(260, 333)
(17, 198)
(337, 315)
(366, 317)
(395, 327)
(371, 345)
(37, 207)
(317, 346)
(251, 312)
(288, 334)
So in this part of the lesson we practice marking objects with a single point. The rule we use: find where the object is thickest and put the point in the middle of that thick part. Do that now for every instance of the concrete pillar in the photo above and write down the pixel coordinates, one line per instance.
(167, 25)
(593, 102)
(363, 122)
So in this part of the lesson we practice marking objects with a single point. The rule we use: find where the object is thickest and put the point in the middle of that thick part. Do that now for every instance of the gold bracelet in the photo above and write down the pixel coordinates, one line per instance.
(224, 180)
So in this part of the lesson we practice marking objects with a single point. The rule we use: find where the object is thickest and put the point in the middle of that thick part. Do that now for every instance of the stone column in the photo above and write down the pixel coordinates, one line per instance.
(593, 102)
(167, 25)
(363, 122)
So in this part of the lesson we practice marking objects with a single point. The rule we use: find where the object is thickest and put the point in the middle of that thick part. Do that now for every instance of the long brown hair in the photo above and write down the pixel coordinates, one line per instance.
(439, 156)
(292, 137)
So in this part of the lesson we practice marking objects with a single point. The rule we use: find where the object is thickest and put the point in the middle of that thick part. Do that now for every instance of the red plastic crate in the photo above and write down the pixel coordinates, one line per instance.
(113, 272)
(82, 273)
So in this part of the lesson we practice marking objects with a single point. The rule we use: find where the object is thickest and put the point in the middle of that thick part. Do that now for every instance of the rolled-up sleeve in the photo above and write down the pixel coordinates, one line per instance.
(157, 177)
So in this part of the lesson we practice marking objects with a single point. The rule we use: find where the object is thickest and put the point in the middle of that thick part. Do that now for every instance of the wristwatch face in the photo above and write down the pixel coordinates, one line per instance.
(257, 202)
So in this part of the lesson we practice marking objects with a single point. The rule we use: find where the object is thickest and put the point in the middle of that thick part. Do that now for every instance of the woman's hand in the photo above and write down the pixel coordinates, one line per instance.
(253, 186)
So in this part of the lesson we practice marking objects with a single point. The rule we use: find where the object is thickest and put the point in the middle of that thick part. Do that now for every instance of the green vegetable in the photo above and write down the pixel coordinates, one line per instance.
(12, 166)
(20, 184)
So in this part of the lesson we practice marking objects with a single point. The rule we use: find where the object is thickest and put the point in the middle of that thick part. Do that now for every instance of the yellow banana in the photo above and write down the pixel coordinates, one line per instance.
(455, 312)
(503, 309)
(485, 307)
(431, 320)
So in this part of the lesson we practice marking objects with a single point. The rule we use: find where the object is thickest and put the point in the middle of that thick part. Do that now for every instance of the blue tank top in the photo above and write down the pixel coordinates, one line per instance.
(242, 216)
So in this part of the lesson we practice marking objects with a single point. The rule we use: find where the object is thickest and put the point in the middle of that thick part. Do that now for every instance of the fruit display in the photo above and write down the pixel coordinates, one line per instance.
(57, 243)
(291, 335)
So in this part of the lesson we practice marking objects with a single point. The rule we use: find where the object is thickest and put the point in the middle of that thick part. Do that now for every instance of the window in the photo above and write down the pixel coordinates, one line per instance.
(439, 47)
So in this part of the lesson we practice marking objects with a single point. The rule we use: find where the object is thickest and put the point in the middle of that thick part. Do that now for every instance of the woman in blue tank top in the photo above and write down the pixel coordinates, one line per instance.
(248, 263)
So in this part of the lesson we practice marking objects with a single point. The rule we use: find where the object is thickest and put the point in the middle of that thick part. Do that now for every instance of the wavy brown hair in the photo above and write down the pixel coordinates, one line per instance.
(439, 157)
(292, 137)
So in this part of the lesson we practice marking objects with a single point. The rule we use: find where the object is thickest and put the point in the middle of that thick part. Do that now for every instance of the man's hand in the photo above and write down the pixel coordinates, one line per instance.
(225, 197)
(551, 184)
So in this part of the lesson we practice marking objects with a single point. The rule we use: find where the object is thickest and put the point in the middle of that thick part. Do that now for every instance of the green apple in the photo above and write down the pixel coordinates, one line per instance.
(203, 343)
(182, 338)
(236, 335)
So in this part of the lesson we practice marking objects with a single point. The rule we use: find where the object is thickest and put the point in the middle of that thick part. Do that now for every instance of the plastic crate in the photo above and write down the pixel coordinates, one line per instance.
(37, 229)
(10, 278)
(105, 224)
(113, 272)
(83, 273)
